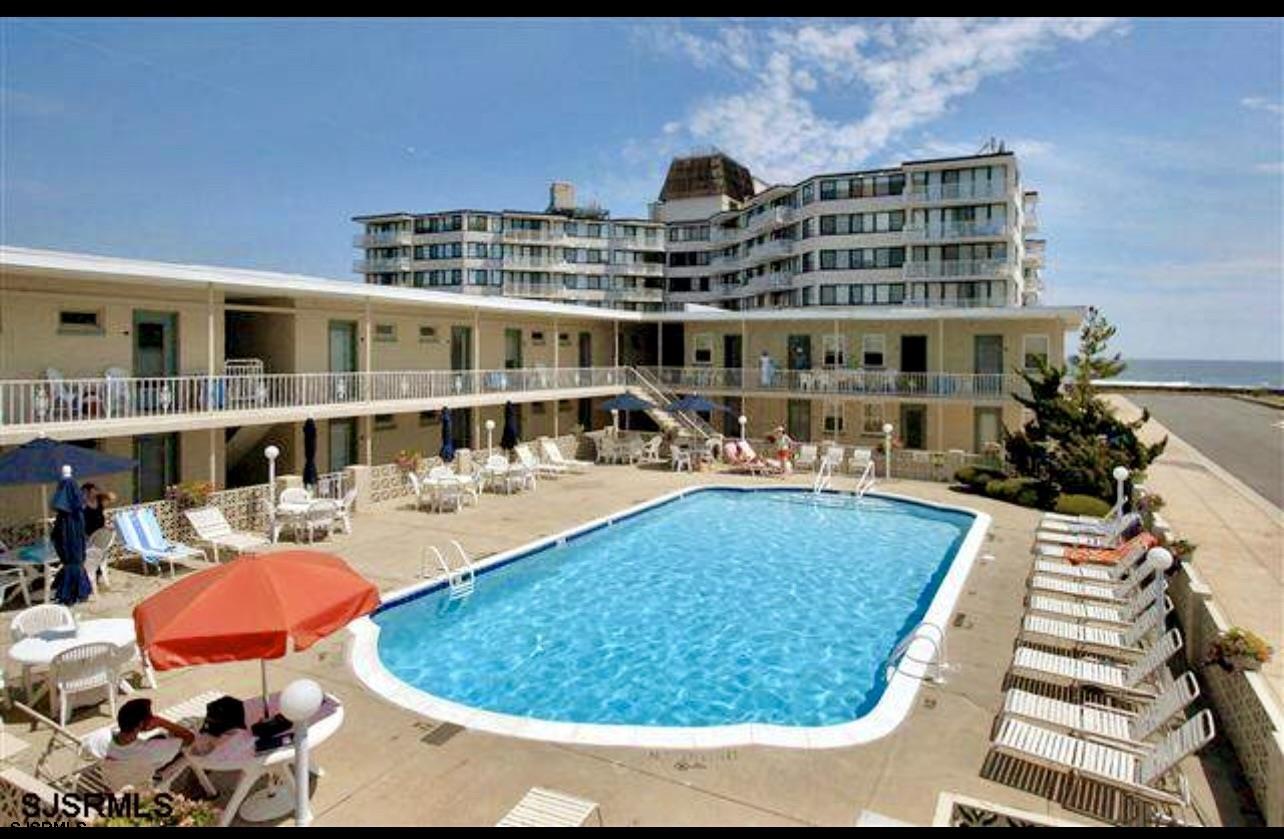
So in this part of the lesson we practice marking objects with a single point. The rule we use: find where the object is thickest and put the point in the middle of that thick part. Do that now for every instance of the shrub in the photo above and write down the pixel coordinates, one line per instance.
(976, 477)
(1239, 649)
(180, 812)
(1081, 505)
(1022, 491)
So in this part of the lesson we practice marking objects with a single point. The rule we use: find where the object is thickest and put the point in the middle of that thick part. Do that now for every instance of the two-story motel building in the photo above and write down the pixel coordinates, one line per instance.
(192, 370)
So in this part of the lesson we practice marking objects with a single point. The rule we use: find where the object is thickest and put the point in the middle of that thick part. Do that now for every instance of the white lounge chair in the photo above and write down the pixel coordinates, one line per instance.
(1090, 521)
(529, 461)
(552, 454)
(141, 534)
(808, 457)
(834, 454)
(1133, 558)
(1133, 771)
(1105, 721)
(1109, 537)
(1120, 613)
(1130, 679)
(1122, 643)
(859, 459)
(213, 529)
(83, 669)
(1114, 525)
(549, 808)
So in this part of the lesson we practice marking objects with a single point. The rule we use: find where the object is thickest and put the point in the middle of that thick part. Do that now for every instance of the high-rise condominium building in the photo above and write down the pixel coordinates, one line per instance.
(951, 232)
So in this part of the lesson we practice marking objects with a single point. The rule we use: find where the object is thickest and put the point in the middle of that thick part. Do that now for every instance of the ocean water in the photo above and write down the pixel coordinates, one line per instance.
(1203, 372)
(719, 608)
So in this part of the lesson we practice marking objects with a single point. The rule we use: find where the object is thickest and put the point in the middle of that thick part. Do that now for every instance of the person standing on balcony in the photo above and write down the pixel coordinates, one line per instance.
(766, 368)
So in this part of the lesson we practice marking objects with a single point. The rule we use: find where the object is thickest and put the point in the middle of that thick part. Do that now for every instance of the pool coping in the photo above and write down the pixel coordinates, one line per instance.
(888, 713)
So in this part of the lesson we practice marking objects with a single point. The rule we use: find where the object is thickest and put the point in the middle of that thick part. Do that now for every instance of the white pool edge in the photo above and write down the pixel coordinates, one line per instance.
(890, 711)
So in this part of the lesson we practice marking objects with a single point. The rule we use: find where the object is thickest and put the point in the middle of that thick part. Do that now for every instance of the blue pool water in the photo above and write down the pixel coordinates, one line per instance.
(717, 608)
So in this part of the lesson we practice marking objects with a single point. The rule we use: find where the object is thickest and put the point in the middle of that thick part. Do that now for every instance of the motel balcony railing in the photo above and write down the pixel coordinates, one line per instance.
(36, 403)
(953, 268)
(958, 191)
(388, 238)
(381, 266)
(841, 382)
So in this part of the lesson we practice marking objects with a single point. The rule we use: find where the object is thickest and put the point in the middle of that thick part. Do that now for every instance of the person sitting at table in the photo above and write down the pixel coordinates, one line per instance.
(96, 501)
(128, 748)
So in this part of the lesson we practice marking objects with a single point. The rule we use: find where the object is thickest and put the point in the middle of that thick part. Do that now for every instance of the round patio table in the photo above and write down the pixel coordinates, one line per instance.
(235, 753)
(38, 651)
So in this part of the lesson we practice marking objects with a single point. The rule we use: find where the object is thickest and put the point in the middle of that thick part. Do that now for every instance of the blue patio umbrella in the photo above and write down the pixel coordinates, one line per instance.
(697, 403)
(626, 402)
(71, 584)
(310, 452)
(447, 451)
(508, 440)
(40, 461)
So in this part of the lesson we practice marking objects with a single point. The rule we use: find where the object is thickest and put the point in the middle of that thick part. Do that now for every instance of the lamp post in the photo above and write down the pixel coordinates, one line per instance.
(887, 450)
(272, 453)
(1161, 559)
(300, 702)
(490, 433)
(1120, 474)
(743, 420)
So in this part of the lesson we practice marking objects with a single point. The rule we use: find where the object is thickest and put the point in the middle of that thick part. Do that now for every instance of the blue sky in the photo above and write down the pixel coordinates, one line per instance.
(1157, 146)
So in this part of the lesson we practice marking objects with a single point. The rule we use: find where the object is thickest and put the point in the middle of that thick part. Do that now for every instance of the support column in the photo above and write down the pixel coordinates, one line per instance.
(557, 343)
(476, 411)
(659, 344)
(367, 420)
(210, 389)
(615, 335)
(940, 368)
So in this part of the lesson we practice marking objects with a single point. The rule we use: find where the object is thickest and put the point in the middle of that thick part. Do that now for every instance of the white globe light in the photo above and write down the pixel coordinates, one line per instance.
(1160, 558)
(744, 420)
(271, 452)
(301, 700)
(887, 428)
(1121, 473)
(490, 425)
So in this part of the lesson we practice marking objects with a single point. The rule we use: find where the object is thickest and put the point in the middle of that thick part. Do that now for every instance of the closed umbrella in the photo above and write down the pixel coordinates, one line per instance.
(447, 451)
(508, 440)
(71, 584)
(310, 452)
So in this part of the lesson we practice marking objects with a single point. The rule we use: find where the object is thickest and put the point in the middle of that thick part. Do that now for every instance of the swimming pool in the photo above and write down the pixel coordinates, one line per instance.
(712, 616)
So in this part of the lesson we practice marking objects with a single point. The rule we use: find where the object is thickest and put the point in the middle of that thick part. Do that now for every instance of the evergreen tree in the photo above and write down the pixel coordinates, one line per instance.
(1075, 441)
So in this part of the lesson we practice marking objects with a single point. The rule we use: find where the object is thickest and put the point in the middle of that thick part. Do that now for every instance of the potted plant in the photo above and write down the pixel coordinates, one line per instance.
(1237, 650)
(165, 809)
(408, 460)
(1182, 549)
(190, 494)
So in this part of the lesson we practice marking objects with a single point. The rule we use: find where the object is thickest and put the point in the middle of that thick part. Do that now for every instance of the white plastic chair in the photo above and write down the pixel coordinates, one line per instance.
(808, 457)
(86, 668)
(47, 617)
(321, 515)
(14, 580)
(97, 555)
(345, 510)
(447, 489)
(294, 495)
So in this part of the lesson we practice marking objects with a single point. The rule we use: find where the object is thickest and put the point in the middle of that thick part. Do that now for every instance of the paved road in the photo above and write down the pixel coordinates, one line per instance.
(1243, 438)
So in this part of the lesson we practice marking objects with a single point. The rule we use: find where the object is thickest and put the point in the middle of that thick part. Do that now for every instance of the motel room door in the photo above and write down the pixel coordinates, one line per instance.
(914, 426)
(988, 362)
(732, 360)
(799, 349)
(343, 359)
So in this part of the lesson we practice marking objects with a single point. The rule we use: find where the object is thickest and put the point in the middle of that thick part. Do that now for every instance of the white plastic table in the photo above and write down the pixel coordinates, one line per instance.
(235, 753)
(38, 651)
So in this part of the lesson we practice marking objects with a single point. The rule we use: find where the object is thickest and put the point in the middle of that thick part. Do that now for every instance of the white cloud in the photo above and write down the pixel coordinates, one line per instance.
(1276, 168)
(1261, 103)
(909, 72)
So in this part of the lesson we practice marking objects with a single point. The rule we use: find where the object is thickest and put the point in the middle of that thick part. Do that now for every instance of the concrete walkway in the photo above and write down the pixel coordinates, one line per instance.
(1239, 534)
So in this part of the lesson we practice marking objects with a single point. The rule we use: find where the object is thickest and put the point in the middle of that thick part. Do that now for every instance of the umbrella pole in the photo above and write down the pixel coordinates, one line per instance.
(263, 673)
(44, 507)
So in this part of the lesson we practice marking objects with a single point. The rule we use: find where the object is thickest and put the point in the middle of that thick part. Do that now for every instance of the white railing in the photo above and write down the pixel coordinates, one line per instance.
(331, 485)
(381, 240)
(38, 402)
(380, 266)
(840, 382)
(949, 268)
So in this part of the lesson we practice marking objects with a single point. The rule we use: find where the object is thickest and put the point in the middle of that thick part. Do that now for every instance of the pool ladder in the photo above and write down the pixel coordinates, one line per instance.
(824, 475)
(931, 633)
(460, 579)
(866, 480)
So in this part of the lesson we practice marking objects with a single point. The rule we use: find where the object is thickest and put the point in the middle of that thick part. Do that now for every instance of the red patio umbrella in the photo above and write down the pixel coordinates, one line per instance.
(256, 607)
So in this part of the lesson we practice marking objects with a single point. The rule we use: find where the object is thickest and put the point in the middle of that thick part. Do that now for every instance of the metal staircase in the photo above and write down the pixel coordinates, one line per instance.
(934, 662)
(645, 385)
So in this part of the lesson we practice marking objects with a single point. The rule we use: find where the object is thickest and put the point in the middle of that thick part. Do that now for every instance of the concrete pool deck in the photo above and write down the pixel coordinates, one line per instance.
(389, 766)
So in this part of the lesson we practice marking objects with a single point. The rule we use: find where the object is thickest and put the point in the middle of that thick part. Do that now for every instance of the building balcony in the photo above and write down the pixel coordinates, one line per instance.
(956, 230)
(1035, 251)
(640, 295)
(774, 216)
(382, 266)
(533, 261)
(867, 383)
(957, 191)
(655, 243)
(389, 239)
(985, 269)
(639, 269)
(770, 250)
(544, 235)
(104, 407)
